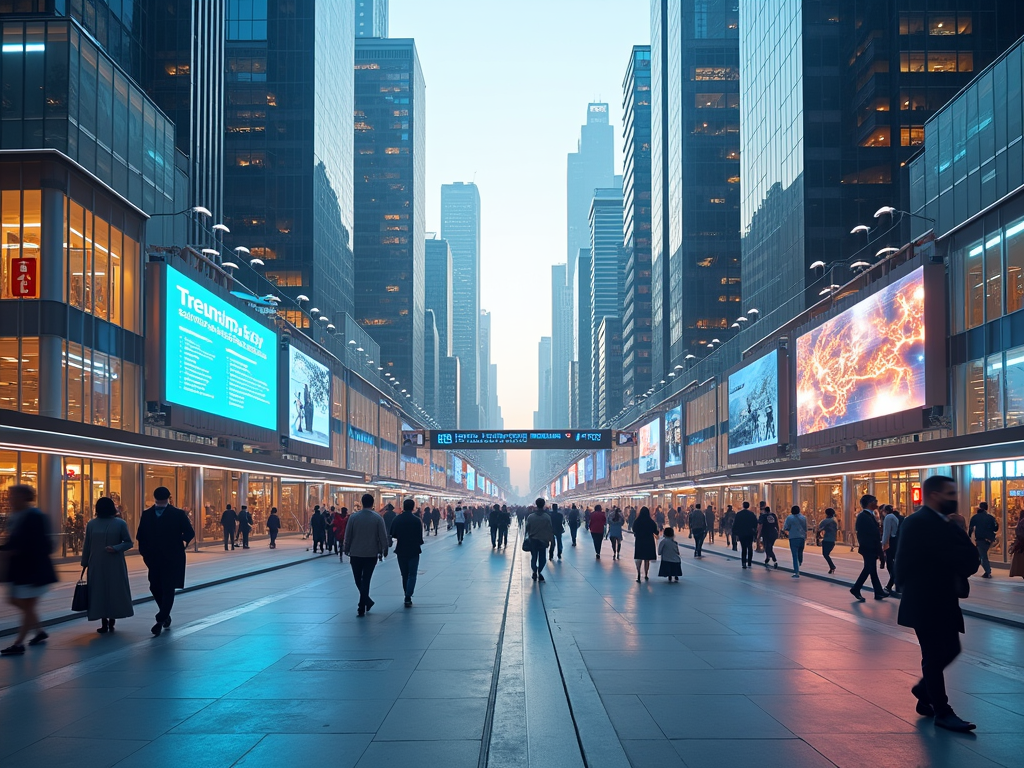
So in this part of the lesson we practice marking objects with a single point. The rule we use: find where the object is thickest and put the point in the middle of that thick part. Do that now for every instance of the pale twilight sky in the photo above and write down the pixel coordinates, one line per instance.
(508, 82)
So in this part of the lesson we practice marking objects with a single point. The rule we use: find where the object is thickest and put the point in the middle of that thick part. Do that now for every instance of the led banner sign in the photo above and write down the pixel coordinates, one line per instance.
(510, 440)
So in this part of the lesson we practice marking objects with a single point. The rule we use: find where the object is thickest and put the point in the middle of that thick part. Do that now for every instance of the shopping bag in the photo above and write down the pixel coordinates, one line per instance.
(80, 602)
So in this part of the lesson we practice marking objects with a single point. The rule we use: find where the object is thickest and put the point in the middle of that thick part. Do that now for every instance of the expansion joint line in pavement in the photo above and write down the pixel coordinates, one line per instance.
(565, 688)
(492, 697)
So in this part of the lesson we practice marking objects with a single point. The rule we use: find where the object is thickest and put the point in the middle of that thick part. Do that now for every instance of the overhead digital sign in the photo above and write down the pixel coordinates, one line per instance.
(866, 362)
(309, 404)
(532, 440)
(650, 447)
(674, 437)
(754, 404)
(217, 359)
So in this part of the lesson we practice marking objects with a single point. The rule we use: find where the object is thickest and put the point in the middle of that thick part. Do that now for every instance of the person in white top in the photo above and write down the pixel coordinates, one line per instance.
(460, 523)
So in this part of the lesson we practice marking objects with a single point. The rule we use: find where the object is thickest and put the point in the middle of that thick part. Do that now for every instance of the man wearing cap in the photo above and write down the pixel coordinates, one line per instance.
(164, 532)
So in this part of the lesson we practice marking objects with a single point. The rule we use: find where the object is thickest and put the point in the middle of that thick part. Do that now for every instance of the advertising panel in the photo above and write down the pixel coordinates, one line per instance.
(590, 468)
(309, 414)
(217, 359)
(470, 478)
(554, 489)
(572, 477)
(456, 470)
(650, 447)
(601, 462)
(674, 437)
(581, 471)
(866, 362)
(754, 404)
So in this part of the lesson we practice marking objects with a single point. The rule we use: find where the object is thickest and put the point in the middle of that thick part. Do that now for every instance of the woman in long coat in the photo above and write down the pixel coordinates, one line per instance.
(29, 569)
(645, 536)
(106, 540)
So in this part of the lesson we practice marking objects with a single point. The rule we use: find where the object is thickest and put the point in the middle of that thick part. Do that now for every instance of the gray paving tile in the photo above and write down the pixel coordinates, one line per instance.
(746, 660)
(630, 717)
(351, 685)
(443, 684)
(1004, 750)
(830, 713)
(709, 716)
(192, 751)
(193, 685)
(1012, 702)
(82, 753)
(145, 719)
(457, 660)
(654, 658)
(920, 749)
(289, 716)
(433, 754)
(339, 750)
(409, 720)
(645, 752)
(764, 753)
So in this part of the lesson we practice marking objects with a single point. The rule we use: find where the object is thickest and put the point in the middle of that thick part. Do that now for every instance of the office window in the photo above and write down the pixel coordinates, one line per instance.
(1014, 243)
(911, 135)
(974, 405)
(994, 392)
(1014, 382)
(974, 286)
(993, 277)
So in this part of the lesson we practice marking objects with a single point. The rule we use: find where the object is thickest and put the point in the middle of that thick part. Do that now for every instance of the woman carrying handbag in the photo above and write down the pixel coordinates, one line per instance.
(106, 541)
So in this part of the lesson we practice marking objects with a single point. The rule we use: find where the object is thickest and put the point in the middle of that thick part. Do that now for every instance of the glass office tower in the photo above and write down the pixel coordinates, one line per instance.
(606, 274)
(288, 146)
(390, 238)
(636, 202)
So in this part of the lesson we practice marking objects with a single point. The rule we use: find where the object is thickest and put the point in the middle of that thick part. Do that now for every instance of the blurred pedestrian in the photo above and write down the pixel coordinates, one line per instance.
(504, 522)
(573, 518)
(30, 571)
(869, 540)
(273, 526)
(435, 519)
(596, 525)
(768, 533)
(228, 522)
(493, 520)
(709, 515)
(164, 532)
(828, 529)
(106, 540)
(538, 532)
(615, 523)
(318, 529)
(890, 542)
(244, 525)
(329, 528)
(668, 552)
(935, 560)
(460, 523)
(698, 523)
(727, 522)
(1017, 550)
(340, 523)
(557, 529)
(984, 528)
(645, 542)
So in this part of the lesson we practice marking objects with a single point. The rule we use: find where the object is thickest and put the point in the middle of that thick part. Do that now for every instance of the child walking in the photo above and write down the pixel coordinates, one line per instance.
(668, 551)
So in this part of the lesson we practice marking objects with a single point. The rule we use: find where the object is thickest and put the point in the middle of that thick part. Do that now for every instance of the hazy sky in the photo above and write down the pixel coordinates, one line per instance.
(508, 82)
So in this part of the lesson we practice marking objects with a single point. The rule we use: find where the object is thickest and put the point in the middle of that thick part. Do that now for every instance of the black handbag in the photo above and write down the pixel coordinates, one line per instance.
(80, 602)
(527, 545)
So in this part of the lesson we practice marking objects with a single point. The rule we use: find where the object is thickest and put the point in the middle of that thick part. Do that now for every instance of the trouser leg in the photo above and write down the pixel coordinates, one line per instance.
(227, 539)
(460, 531)
(983, 547)
(938, 650)
(572, 532)
(598, 540)
(747, 550)
(796, 547)
(826, 552)
(494, 537)
(698, 542)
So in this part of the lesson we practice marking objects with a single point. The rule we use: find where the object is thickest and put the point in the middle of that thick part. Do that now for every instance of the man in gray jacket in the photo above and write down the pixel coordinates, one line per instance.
(366, 542)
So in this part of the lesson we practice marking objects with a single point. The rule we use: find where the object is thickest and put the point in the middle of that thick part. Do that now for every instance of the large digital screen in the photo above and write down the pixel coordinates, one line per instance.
(581, 471)
(754, 404)
(649, 437)
(572, 477)
(590, 468)
(217, 359)
(309, 404)
(470, 477)
(511, 440)
(867, 362)
(674, 437)
(456, 470)
(601, 465)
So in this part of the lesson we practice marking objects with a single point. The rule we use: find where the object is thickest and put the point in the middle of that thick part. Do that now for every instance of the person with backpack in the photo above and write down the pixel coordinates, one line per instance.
(698, 529)
(768, 533)
(538, 534)
(828, 530)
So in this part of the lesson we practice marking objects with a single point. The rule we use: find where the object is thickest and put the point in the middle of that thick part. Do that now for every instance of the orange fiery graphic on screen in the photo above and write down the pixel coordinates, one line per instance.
(866, 362)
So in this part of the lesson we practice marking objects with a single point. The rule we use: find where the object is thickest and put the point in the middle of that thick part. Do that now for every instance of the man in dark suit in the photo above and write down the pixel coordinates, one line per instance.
(869, 537)
(228, 520)
(407, 529)
(984, 528)
(557, 529)
(935, 558)
(164, 532)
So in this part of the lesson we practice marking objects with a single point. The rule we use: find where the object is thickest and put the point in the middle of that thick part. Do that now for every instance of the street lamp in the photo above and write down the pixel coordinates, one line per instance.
(887, 251)
(860, 228)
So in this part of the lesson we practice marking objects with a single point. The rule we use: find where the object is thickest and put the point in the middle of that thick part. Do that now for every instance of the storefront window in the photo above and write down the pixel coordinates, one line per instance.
(975, 286)
(975, 488)
(994, 391)
(974, 412)
(1014, 239)
(1014, 375)
(993, 277)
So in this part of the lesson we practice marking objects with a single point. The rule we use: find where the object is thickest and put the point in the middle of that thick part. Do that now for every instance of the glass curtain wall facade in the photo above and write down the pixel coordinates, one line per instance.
(288, 149)
(557, 414)
(659, 189)
(605, 289)
(390, 169)
(636, 203)
(460, 226)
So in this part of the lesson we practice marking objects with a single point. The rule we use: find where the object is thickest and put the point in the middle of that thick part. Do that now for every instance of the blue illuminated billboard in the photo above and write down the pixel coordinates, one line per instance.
(470, 478)
(309, 404)
(217, 359)
(601, 462)
(754, 404)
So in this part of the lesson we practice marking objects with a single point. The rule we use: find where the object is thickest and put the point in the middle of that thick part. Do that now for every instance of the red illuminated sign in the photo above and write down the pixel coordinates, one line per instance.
(23, 278)
(915, 494)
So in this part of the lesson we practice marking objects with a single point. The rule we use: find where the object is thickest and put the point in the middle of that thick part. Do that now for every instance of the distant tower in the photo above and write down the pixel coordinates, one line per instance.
(592, 166)
(371, 18)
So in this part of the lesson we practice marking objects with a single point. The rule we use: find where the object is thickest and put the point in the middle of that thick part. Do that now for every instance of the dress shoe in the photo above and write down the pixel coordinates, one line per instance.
(539, 577)
(951, 722)
(13, 650)
(856, 593)
(408, 602)
(41, 637)
(369, 604)
(104, 628)
(167, 623)
(924, 707)
(360, 612)
(986, 575)
(156, 629)
(881, 596)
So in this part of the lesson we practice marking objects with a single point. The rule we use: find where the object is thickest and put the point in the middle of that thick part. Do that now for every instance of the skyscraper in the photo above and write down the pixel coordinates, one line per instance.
(371, 18)
(542, 417)
(605, 284)
(390, 167)
(590, 167)
(835, 96)
(485, 365)
(437, 292)
(561, 345)
(460, 226)
(608, 355)
(581, 383)
(448, 393)
(695, 216)
(288, 151)
(636, 202)
(431, 362)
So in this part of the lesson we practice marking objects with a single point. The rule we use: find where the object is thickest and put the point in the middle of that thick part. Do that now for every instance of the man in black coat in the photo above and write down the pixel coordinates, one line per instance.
(245, 522)
(164, 532)
(504, 521)
(227, 521)
(869, 537)
(494, 522)
(935, 558)
(744, 528)
(407, 529)
(557, 529)
(984, 529)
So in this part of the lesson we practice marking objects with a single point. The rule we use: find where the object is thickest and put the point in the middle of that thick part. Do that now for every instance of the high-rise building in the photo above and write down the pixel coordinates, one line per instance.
(696, 179)
(437, 292)
(184, 72)
(606, 278)
(561, 345)
(608, 352)
(485, 364)
(835, 96)
(460, 226)
(590, 167)
(636, 204)
(390, 168)
(371, 18)
(431, 362)
(448, 393)
(288, 149)
(581, 377)
(542, 417)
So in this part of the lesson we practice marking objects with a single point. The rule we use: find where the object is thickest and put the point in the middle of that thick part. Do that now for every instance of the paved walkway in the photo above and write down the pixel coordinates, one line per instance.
(726, 668)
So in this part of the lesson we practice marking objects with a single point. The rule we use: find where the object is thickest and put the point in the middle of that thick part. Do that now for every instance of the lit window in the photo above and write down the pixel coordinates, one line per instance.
(392, 289)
